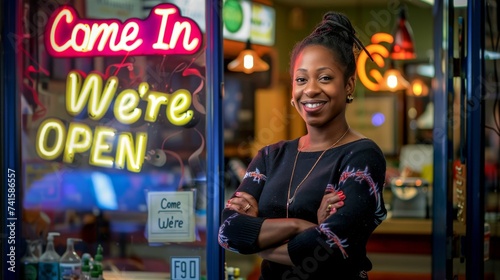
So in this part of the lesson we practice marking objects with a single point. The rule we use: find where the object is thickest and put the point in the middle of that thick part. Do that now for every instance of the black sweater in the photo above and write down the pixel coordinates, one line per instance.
(335, 249)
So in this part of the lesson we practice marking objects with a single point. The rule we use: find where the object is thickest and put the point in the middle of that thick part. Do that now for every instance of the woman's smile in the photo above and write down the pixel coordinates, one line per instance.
(313, 106)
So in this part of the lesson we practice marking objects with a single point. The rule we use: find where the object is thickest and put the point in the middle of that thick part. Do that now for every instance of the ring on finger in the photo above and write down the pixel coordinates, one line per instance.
(329, 208)
(247, 207)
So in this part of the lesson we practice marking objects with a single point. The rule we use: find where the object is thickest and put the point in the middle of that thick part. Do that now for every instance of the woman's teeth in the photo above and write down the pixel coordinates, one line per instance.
(312, 105)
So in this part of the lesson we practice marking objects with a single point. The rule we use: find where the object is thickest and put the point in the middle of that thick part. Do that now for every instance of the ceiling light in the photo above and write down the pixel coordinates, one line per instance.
(248, 61)
(418, 88)
(393, 80)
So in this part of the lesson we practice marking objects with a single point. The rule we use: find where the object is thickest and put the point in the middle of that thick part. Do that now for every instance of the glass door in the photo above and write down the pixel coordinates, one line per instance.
(460, 234)
(112, 110)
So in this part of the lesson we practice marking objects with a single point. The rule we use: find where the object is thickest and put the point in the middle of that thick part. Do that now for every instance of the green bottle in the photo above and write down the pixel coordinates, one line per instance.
(98, 262)
(85, 269)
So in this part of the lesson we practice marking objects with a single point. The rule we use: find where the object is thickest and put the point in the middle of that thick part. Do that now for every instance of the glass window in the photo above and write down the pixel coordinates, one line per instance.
(113, 134)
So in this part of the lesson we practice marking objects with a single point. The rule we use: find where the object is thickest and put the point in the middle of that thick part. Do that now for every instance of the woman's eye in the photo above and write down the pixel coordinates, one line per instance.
(300, 80)
(325, 78)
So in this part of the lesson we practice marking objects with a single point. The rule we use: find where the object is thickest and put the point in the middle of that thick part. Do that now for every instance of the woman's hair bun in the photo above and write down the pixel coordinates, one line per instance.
(335, 23)
(336, 33)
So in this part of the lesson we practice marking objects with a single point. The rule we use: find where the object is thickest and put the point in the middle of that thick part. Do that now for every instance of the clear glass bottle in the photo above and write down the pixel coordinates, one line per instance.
(70, 264)
(48, 264)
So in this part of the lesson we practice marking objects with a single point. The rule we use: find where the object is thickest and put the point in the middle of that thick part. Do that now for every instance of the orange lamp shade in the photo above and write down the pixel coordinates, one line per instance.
(248, 61)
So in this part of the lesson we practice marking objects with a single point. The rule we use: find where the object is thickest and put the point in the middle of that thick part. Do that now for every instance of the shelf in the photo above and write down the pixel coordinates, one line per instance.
(405, 226)
(419, 227)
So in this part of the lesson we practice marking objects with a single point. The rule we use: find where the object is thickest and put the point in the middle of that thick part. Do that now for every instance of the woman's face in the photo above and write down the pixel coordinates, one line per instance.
(319, 91)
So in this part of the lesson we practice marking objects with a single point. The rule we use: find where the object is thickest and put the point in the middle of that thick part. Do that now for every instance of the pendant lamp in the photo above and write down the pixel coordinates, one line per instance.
(418, 88)
(248, 61)
(393, 80)
(403, 47)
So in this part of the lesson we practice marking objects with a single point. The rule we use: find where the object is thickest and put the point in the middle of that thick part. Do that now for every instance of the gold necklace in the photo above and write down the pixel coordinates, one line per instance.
(290, 199)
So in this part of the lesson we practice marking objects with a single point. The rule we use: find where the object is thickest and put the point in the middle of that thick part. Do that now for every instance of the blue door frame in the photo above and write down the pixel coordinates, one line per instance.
(443, 239)
(475, 124)
(441, 262)
(215, 145)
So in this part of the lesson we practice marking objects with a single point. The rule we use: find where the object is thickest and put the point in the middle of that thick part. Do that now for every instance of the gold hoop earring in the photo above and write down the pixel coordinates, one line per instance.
(349, 98)
(292, 103)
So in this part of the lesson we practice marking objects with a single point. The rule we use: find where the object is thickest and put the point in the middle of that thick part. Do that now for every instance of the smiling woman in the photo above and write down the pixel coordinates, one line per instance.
(307, 206)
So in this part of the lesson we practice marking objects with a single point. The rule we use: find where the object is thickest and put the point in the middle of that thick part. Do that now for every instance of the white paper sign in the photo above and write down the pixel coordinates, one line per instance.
(171, 216)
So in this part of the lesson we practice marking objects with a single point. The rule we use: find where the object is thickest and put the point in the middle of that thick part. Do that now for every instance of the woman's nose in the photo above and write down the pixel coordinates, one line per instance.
(311, 88)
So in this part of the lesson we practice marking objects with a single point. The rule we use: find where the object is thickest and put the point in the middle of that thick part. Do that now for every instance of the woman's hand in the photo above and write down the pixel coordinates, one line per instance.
(244, 203)
(329, 205)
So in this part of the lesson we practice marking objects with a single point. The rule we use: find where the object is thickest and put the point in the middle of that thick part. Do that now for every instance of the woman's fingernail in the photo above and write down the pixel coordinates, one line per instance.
(237, 194)
(333, 210)
(341, 203)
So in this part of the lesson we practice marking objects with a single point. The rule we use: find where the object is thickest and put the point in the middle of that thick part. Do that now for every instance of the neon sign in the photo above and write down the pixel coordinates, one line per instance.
(163, 32)
(106, 146)
(379, 53)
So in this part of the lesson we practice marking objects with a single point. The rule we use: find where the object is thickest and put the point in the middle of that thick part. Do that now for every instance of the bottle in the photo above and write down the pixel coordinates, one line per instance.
(95, 274)
(48, 264)
(237, 274)
(29, 262)
(230, 273)
(87, 256)
(37, 248)
(70, 264)
(98, 262)
(85, 275)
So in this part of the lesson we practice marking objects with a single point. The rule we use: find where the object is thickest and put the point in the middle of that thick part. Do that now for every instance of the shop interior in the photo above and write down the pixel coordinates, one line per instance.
(398, 117)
